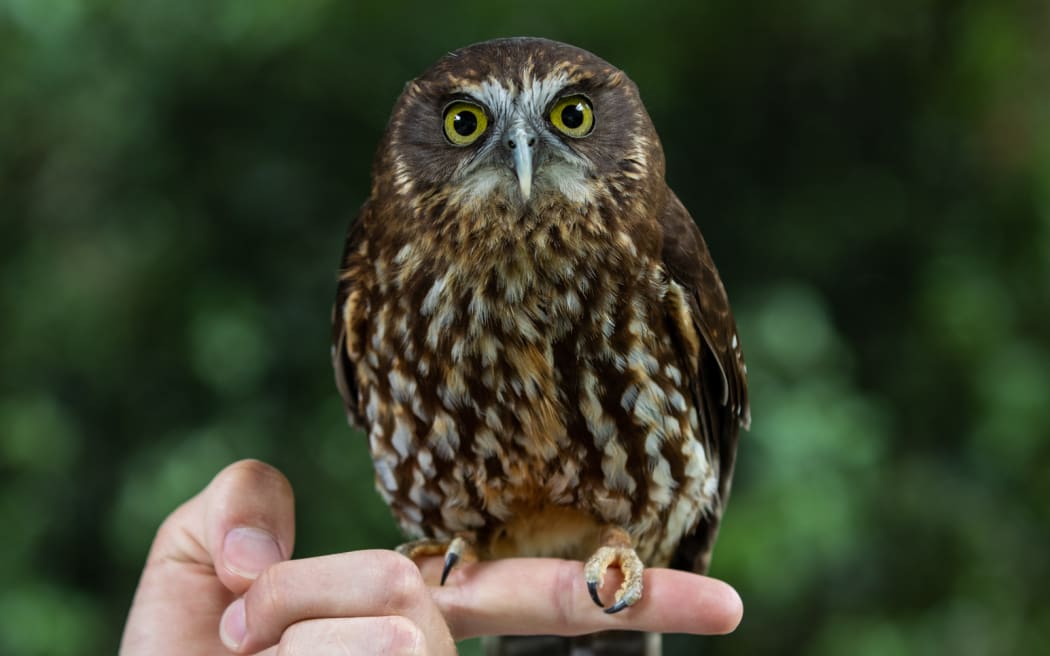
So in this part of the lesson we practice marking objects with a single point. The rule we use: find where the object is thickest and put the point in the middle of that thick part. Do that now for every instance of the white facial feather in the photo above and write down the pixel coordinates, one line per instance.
(560, 171)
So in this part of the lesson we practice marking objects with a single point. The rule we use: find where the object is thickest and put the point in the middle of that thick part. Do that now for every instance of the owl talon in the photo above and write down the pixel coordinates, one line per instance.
(422, 548)
(457, 549)
(451, 558)
(617, 551)
(460, 548)
(592, 587)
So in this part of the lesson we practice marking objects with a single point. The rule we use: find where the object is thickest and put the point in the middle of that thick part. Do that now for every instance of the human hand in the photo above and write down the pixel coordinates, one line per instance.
(206, 554)
(215, 548)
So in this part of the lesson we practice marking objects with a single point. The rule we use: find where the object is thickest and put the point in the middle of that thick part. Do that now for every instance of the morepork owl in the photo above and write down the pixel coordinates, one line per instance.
(529, 325)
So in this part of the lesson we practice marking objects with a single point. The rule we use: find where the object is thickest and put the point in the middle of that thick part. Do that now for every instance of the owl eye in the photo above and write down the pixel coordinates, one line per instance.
(573, 116)
(464, 123)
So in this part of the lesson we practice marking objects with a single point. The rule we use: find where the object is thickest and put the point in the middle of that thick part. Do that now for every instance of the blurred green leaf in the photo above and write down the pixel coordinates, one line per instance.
(41, 620)
(872, 179)
(38, 436)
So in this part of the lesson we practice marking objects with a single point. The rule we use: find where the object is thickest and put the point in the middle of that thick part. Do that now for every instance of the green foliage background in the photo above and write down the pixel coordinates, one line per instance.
(873, 178)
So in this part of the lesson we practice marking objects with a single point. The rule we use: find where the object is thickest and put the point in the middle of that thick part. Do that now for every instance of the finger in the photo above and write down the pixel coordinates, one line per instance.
(392, 634)
(179, 597)
(355, 584)
(541, 595)
(242, 523)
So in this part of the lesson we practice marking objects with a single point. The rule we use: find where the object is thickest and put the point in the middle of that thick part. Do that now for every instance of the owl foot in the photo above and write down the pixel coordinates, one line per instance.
(617, 550)
(459, 548)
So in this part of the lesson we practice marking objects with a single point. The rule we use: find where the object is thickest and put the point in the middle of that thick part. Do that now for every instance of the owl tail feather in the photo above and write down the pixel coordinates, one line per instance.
(606, 643)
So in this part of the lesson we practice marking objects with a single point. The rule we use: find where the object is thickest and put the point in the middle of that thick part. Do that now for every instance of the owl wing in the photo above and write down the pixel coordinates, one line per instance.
(718, 381)
(348, 319)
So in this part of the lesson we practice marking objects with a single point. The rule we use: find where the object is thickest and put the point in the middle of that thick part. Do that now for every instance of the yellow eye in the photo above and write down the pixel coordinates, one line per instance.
(464, 123)
(572, 115)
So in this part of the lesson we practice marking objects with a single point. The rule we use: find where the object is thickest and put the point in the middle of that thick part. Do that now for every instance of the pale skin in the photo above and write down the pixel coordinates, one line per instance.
(219, 580)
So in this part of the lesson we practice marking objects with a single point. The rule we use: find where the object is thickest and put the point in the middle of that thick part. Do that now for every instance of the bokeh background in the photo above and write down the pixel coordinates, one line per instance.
(873, 179)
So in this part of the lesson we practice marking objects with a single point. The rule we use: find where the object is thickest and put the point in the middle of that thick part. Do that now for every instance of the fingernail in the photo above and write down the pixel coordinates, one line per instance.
(233, 627)
(248, 551)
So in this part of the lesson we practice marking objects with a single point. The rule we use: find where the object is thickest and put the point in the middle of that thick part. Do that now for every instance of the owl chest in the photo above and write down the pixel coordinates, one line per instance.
(492, 401)
(477, 363)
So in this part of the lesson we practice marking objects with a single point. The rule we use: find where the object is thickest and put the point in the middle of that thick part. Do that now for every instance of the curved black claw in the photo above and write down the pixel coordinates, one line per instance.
(617, 607)
(592, 587)
(451, 558)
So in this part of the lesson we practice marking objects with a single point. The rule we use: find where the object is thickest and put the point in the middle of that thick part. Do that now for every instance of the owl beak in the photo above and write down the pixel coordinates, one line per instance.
(521, 142)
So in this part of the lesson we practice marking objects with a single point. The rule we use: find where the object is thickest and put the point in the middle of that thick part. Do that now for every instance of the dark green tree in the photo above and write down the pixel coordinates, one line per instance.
(873, 179)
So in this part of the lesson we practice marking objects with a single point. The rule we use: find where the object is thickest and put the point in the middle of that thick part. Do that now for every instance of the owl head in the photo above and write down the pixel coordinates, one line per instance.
(520, 123)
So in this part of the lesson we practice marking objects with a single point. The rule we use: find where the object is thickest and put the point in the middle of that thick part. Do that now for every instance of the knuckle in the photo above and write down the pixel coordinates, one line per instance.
(400, 635)
(267, 599)
(391, 635)
(403, 584)
(297, 639)
(291, 642)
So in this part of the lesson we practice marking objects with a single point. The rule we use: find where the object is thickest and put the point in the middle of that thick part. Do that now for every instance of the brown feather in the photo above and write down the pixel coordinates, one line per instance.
(345, 379)
(538, 372)
(725, 409)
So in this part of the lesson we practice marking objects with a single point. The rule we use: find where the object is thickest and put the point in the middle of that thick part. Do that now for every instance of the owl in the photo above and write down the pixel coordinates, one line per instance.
(530, 328)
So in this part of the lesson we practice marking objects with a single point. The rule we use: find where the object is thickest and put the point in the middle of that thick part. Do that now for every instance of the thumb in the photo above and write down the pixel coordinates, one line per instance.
(205, 553)
(245, 520)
